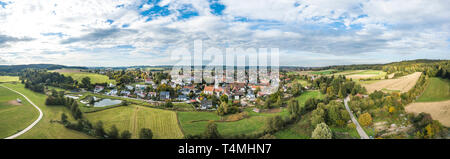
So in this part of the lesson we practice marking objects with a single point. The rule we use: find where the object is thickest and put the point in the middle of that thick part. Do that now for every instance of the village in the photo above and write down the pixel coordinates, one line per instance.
(183, 89)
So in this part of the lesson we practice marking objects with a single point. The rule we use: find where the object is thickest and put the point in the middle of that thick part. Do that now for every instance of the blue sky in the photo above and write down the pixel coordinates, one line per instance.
(146, 32)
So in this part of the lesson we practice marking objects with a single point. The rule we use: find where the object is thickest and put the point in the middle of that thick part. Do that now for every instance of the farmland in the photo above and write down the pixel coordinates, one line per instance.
(163, 123)
(402, 84)
(366, 74)
(14, 116)
(437, 90)
(438, 110)
(78, 75)
(47, 128)
(9, 78)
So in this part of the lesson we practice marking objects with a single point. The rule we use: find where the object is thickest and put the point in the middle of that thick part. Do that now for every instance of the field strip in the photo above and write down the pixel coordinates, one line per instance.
(32, 124)
(133, 123)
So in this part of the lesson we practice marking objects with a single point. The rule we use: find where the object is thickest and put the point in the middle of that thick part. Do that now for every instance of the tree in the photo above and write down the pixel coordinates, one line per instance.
(113, 132)
(211, 131)
(145, 133)
(224, 98)
(293, 108)
(64, 118)
(86, 82)
(317, 116)
(125, 135)
(322, 131)
(365, 119)
(99, 131)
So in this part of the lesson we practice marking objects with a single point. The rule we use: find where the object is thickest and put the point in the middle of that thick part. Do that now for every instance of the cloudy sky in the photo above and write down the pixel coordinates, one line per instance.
(144, 32)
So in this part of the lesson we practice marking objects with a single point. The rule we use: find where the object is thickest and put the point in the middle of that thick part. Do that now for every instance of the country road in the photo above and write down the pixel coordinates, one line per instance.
(360, 130)
(32, 124)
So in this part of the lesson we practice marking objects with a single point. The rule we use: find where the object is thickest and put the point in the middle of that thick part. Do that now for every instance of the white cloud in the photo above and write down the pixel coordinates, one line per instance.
(101, 33)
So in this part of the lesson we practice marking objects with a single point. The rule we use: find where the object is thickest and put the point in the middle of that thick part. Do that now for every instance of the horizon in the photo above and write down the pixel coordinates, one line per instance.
(224, 66)
(144, 32)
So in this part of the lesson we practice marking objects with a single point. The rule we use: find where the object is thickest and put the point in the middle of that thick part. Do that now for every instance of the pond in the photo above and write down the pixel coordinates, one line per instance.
(107, 102)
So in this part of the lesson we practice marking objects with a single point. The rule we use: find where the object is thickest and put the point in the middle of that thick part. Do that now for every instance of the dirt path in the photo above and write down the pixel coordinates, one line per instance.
(32, 124)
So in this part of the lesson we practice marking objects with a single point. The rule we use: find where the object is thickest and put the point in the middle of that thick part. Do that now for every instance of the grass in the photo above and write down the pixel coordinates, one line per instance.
(95, 78)
(163, 123)
(46, 129)
(308, 94)
(437, 90)
(9, 78)
(14, 118)
(195, 122)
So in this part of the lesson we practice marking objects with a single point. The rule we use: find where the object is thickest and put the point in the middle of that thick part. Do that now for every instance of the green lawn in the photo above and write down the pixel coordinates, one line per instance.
(438, 89)
(14, 118)
(9, 78)
(46, 129)
(163, 123)
(308, 94)
(195, 122)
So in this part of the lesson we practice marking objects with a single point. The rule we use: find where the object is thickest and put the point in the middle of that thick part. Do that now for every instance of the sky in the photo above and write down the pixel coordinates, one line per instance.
(146, 32)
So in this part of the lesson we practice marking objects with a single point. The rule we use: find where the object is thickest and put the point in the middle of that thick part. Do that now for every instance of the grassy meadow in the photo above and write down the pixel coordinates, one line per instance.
(195, 122)
(78, 75)
(14, 116)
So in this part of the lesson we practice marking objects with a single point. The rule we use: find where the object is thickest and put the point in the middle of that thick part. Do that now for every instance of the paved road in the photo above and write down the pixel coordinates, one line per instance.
(32, 124)
(360, 130)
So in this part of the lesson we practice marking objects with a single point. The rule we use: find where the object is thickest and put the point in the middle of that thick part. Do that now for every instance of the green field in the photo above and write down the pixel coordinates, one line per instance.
(308, 94)
(46, 129)
(9, 78)
(163, 123)
(325, 72)
(195, 122)
(14, 116)
(438, 89)
(77, 75)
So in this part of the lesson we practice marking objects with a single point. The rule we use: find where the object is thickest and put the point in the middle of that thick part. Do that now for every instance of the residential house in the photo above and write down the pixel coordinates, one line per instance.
(208, 90)
(112, 92)
(125, 93)
(141, 87)
(182, 97)
(110, 85)
(129, 87)
(164, 95)
(206, 104)
(140, 94)
(151, 94)
(98, 89)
